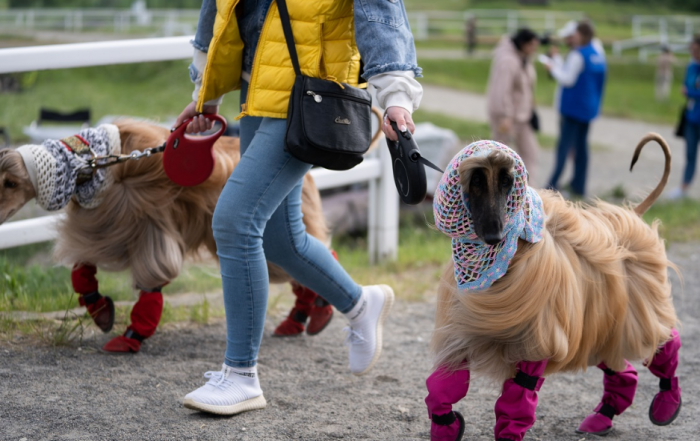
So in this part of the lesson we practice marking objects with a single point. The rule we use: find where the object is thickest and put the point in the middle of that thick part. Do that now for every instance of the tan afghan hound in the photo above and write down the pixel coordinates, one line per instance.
(593, 291)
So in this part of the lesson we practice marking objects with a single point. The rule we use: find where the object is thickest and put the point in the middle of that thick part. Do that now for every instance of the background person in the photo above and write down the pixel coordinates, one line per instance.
(581, 81)
(510, 95)
(258, 216)
(691, 90)
(664, 73)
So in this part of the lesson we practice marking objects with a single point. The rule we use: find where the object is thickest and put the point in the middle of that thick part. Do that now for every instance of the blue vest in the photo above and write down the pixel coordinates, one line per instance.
(582, 100)
(692, 83)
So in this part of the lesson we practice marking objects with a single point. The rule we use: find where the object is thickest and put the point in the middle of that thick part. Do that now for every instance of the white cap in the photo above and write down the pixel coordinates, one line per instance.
(568, 30)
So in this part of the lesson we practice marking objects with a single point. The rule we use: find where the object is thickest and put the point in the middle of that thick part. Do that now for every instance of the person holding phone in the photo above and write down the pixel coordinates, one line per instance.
(581, 80)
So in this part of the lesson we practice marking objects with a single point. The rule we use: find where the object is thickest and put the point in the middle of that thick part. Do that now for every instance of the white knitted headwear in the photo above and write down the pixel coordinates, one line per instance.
(53, 168)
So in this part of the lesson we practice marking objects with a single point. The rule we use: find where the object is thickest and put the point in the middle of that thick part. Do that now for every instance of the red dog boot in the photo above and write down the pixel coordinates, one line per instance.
(320, 316)
(145, 316)
(666, 405)
(321, 312)
(446, 388)
(295, 321)
(619, 389)
(100, 308)
(515, 408)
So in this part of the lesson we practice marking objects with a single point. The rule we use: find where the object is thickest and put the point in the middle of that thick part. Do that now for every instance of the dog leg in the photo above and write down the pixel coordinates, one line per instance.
(666, 405)
(308, 305)
(295, 321)
(619, 389)
(100, 308)
(515, 408)
(445, 389)
(145, 316)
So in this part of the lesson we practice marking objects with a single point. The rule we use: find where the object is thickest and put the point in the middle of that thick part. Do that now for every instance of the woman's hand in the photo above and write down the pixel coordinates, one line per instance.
(403, 122)
(199, 123)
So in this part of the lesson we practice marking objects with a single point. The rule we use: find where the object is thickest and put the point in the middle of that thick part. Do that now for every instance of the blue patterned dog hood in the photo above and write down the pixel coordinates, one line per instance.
(477, 264)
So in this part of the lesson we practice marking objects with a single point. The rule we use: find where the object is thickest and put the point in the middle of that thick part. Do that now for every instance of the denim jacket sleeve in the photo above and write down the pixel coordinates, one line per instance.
(205, 26)
(384, 37)
(205, 31)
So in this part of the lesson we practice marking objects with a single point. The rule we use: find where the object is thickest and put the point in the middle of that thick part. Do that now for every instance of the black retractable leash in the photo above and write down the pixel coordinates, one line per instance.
(408, 165)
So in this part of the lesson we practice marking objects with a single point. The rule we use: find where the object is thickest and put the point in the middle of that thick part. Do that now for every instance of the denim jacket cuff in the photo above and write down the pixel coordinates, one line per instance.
(371, 71)
(199, 46)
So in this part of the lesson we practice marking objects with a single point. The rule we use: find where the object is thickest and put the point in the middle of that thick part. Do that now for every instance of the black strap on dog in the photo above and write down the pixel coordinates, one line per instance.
(665, 383)
(607, 410)
(445, 419)
(527, 381)
(609, 371)
(135, 335)
(91, 298)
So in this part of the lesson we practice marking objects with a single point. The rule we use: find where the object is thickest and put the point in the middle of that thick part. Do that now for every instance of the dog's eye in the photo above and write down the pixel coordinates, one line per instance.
(477, 180)
(10, 184)
(506, 181)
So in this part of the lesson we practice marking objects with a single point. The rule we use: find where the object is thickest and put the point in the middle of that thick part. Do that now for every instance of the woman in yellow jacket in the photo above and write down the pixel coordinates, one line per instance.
(240, 44)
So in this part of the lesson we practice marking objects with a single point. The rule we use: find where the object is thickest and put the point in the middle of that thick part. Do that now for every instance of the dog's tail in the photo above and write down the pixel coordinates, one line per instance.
(654, 195)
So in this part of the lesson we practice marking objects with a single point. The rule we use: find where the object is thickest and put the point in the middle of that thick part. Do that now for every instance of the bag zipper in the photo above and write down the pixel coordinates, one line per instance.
(318, 97)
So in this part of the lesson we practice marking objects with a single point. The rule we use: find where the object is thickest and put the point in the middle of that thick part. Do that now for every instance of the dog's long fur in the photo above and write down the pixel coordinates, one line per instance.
(594, 289)
(148, 224)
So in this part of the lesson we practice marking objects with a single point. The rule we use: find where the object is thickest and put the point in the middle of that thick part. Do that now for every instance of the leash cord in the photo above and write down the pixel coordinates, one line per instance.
(105, 161)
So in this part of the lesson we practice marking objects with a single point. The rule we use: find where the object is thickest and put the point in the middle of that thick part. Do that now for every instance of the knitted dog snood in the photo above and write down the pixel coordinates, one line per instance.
(55, 165)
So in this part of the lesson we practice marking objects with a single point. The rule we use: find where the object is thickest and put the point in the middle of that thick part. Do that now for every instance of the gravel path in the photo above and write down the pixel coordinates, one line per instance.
(81, 394)
(608, 167)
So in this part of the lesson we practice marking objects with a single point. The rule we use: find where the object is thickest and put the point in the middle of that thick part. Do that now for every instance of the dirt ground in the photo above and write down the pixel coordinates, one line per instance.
(78, 393)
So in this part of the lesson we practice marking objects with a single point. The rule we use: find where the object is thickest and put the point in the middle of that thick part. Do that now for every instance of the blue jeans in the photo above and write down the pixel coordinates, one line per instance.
(692, 137)
(573, 135)
(258, 218)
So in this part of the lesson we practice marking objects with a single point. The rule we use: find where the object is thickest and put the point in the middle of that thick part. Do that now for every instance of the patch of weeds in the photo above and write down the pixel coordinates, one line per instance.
(69, 329)
(200, 313)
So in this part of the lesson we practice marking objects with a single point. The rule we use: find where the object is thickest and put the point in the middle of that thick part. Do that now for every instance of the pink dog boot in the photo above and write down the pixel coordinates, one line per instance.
(666, 405)
(446, 388)
(145, 316)
(515, 408)
(619, 389)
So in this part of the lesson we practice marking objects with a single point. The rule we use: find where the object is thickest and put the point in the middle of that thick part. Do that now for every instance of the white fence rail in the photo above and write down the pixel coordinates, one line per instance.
(162, 22)
(489, 22)
(172, 22)
(376, 170)
(651, 32)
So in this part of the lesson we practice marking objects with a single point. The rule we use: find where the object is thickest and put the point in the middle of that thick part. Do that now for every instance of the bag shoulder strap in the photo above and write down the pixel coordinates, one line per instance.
(288, 35)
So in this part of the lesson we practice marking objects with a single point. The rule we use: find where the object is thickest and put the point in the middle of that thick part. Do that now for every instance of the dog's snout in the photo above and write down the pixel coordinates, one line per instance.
(493, 238)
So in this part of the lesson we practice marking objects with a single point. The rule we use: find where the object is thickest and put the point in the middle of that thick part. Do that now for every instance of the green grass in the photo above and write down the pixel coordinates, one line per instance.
(26, 284)
(469, 131)
(680, 221)
(629, 92)
(150, 90)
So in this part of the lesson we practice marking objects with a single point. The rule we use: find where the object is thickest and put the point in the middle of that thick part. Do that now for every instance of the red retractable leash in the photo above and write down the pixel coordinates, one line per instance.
(189, 160)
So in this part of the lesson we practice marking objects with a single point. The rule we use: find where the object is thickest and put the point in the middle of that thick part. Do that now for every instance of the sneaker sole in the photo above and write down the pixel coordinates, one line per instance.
(247, 405)
(388, 302)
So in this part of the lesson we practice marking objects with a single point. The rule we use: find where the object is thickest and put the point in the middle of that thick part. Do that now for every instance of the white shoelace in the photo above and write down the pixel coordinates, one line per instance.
(353, 337)
(216, 378)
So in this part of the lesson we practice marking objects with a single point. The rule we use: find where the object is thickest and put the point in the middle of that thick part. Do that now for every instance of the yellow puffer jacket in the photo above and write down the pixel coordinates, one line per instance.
(324, 33)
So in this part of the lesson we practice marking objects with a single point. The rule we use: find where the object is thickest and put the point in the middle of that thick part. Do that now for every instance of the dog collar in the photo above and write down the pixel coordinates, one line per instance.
(478, 265)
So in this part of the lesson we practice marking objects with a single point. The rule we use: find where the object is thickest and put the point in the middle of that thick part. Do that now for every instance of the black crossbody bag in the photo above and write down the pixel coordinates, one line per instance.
(328, 125)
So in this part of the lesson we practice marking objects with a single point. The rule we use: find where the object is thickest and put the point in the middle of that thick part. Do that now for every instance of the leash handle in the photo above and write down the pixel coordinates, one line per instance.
(178, 136)
(413, 152)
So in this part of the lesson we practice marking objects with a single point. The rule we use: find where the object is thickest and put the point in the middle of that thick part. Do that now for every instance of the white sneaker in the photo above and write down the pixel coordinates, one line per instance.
(227, 392)
(676, 194)
(365, 331)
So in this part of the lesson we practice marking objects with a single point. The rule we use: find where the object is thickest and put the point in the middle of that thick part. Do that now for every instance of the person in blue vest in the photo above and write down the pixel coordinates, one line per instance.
(691, 132)
(581, 80)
